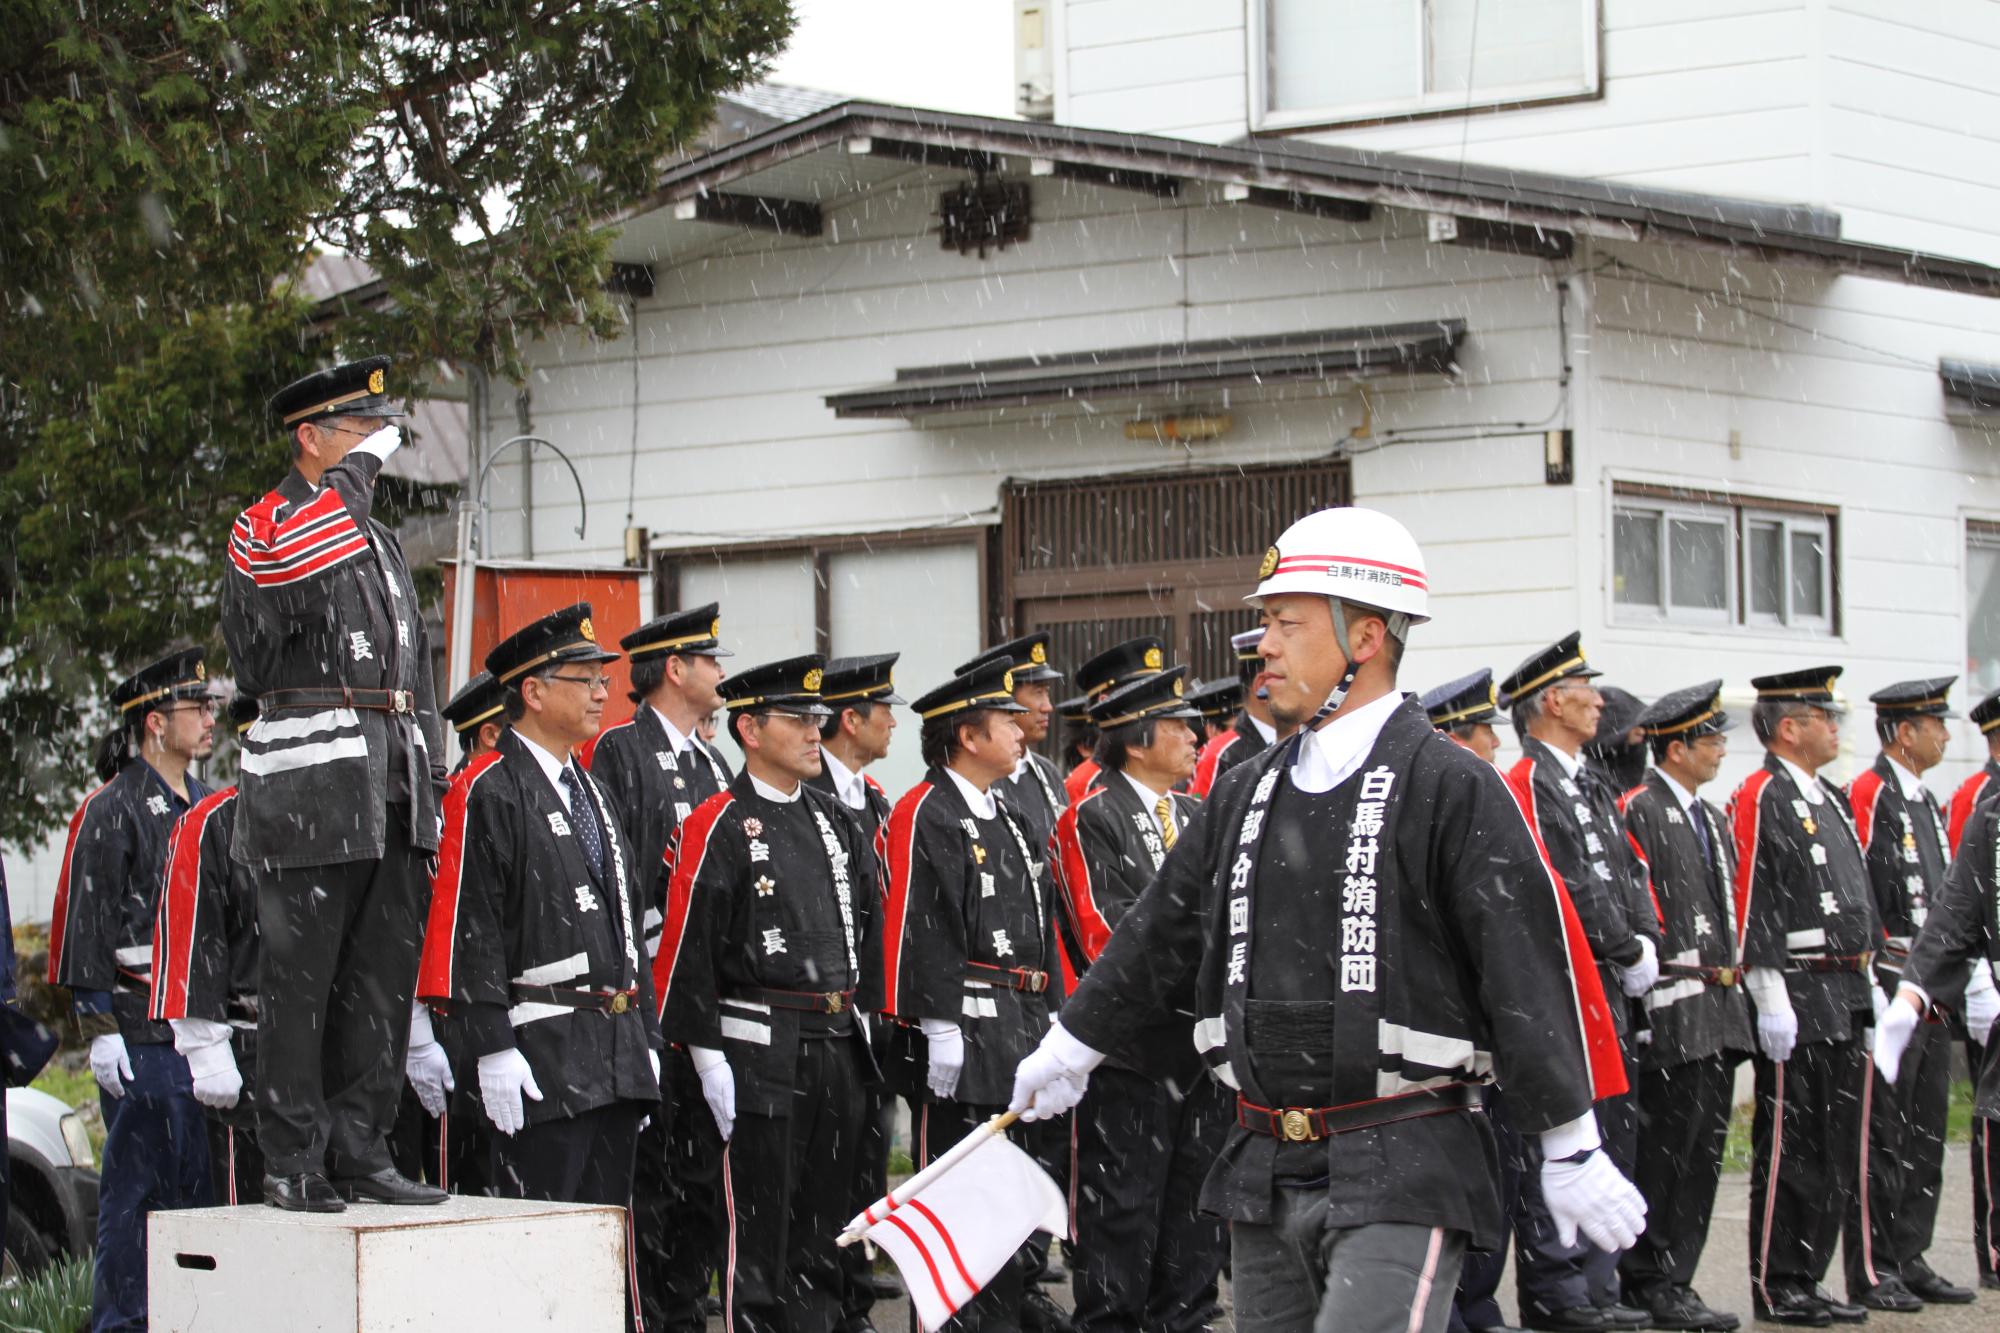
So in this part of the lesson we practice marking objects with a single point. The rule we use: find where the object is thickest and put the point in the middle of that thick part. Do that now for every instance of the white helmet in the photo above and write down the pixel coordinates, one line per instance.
(1359, 556)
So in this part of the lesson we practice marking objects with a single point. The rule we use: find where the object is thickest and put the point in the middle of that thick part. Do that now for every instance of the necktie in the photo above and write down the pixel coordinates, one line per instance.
(584, 815)
(1168, 833)
(1700, 822)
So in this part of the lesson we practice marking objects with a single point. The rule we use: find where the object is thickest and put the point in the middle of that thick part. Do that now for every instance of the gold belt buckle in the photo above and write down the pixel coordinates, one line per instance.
(1725, 976)
(620, 1002)
(1297, 1126)
(1038, 982)
(835, 1002)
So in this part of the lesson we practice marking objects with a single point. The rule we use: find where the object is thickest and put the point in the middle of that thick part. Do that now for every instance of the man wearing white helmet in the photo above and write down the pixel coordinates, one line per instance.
(1364, 933)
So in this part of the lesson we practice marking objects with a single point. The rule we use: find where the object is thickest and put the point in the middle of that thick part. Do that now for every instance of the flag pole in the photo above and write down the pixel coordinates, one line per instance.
(897, 1197)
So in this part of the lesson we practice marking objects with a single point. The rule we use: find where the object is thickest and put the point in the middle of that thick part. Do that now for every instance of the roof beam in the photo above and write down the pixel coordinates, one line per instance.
(925, 154)
(1514, 238)
(1116, 178)
(1297, 201)
(787, 217)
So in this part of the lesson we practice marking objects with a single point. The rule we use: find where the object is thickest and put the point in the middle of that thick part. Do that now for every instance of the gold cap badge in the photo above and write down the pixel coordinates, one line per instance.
(201, 671)
(811, 683)
(1270, 565)
(1155, 659)
(1007, 681)
(375, 380)
(715, 627)
(1177, 687)
(584, 628)
(1038, 654)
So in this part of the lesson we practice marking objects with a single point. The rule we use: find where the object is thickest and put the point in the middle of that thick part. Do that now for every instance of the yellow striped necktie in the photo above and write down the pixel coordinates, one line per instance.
(1165, 810)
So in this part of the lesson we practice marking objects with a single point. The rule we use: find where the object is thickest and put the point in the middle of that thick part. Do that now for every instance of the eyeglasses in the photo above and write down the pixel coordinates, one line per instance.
(205, 707)
(788, 714)
(591, 683)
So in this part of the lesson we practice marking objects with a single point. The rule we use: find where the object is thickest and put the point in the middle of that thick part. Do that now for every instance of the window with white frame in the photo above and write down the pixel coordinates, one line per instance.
(1982, 607)
(1324, 61)
(1710, 560)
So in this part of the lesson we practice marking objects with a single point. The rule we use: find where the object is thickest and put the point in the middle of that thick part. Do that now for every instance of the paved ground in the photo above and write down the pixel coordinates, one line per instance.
(1724, 1276)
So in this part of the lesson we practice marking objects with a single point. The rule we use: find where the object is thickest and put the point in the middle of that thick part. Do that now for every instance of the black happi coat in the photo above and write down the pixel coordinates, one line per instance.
(1481, 974)
(961, 891)
(1581, 828)
(755, 903)
(1802, 891)
(1691, 1018)
(1908, 852)
(1966, 799)
(1242, 741)
(1038, 799)
(317, 595)
(514, 901)
(205, 937)
(1962, 927)
(652, 790)
(871, 817)
(101, 928)
(1106, 850)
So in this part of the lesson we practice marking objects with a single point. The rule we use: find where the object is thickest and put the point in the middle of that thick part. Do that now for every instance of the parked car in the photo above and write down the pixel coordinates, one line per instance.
(51, 1182)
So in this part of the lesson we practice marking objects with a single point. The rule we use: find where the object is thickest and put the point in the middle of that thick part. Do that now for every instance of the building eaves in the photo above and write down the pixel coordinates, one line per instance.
(1973, 383)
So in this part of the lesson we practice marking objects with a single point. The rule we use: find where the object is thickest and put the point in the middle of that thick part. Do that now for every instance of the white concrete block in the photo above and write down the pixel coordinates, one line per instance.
(468, 1263)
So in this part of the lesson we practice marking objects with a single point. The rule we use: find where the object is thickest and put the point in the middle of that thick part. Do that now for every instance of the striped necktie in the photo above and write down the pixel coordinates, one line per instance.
(1165, 810)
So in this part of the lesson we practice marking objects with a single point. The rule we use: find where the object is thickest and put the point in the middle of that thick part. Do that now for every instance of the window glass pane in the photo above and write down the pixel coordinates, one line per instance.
(1635, 557)
(1766, 572)
(1520, 42)
(1326, 53)
(1808, 573)
(1982, 615)
(767, 606)
(1700, 563)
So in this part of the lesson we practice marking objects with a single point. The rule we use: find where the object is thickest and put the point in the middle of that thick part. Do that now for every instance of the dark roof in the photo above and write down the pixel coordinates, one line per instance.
(1977, 384)
(1777, 232)
(1167, 368)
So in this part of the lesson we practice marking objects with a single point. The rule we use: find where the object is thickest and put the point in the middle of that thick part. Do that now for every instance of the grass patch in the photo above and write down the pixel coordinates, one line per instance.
(1957, 1128)
(56, 1300)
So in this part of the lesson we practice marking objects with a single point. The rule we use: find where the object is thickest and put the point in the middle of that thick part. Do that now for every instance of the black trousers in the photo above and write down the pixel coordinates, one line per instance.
(235, 1163)
(1146, 1255)
(1551, 1276)
(677, 1213)
(1894, 1211)
(339, 964)
(1476, 1304)
(878, 1129)
(577, 1159)
(997, 1307)
(1683, 1127)
(789, 1183)
(450, 1151)
(1806, 1148)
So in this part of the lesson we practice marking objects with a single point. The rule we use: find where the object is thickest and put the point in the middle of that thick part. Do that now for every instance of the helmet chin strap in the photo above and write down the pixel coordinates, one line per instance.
(1338, 696)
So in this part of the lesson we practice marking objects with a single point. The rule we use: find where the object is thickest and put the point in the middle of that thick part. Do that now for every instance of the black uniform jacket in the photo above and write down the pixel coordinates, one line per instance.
(515, 903)
(1802, 893)
(653, 790)
(768, 896)
(1483, 973)
(870, 818)
(101, 929)
(967, 922)
(316, 595)
(1581, 828)
(1106, 850)
(1908, 852)
(205, 933)
(1225, 752)
(1962, 927)
(1691, 1017)
(1037, 797)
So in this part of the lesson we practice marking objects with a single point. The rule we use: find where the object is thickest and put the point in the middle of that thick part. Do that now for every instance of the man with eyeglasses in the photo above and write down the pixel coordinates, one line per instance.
(1808, 928)
(1697, 1019)
(1574, 1288)
(101, 947)
(1903, 831)
(341, 779)
(772, 944)
(533, 944)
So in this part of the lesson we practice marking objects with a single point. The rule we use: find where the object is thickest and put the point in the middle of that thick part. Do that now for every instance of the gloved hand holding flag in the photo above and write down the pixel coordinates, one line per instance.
(953, 1224)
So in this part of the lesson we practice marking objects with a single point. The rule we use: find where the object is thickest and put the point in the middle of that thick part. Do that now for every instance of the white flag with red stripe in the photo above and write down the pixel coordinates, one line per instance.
(951, 1226)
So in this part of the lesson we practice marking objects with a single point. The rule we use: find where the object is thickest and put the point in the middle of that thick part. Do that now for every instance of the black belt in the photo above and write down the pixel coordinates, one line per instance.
(1306, 1124)
(340, 696)
(804, 1001)
(563, 997)
(1714, 976)
(1830, 962)
(1013, 978)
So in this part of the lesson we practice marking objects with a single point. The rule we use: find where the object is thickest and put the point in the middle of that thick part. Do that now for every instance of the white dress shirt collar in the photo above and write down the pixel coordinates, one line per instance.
(1572, 764)
(1681, 794)
(1150, 799)
(982, 802)
(1808, 784)
(1264, 729)
(770, 793)
(847, 783)
(551, 766)
(1337, 750)
(1909, 783)
(675, 741)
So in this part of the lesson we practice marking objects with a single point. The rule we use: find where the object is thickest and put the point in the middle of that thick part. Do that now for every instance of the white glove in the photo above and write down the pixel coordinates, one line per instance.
(1982, 1002)
(1639, 978)
(382, 443)
(504, 1077)
(718, 1086)
(1591, 1196)
(1878, 1000)
(1052, 1078)
(426, 1065)
(109, 1063)
(947, 1051)
(1894, 1030)
(654, 1056)
(204, 1044)
(1777, 1025)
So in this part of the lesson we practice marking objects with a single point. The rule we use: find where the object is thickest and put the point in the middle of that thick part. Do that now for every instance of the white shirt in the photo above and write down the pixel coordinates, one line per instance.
(1808, 784)
(1572, 764)
(1909, 783)
(982, 802)
(676, 742)
(1681, 794)
(847, 784)
(551, 766)
(1149, 799)
(1337, 750)
(1264, 729)
(770, 793)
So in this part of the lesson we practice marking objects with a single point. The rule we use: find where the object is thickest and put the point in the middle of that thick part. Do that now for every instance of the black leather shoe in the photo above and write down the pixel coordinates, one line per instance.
(1928, 1287)
(1621, 1315)
(1039, 1314)
(388, 1186)
(1577, 1319)
(1841, 1312)
(1891, 1296)
(885, 1286)
(307, 1192)
(1681, 1310)
(1791, 1306)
